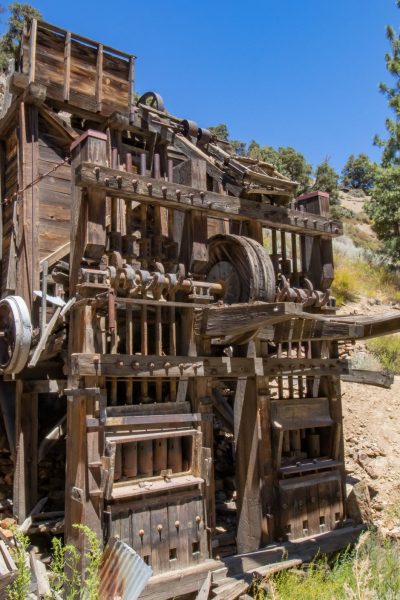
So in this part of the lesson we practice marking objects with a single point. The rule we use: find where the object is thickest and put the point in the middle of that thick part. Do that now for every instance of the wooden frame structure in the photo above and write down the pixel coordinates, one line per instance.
(170, 285)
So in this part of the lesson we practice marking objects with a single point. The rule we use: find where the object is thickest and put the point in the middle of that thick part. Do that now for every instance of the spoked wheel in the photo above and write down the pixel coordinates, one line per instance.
(244, 268)
(152, 99)
(15, 334)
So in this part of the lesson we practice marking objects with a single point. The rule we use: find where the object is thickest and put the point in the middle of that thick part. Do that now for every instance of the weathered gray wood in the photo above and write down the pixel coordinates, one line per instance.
(235, 319)
(384, 380)
(306, 550)
(212, 366)
(123, 185)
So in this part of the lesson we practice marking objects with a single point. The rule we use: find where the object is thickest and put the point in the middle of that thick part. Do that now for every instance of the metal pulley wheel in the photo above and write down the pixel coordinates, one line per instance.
(152, 99)
(15, 334)
(244, 268)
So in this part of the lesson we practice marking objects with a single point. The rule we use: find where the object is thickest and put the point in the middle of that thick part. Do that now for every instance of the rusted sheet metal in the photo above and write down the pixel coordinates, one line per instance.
(123, 574)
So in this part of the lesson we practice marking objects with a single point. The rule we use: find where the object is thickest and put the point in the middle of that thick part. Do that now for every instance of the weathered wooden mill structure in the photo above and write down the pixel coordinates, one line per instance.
(156, 287)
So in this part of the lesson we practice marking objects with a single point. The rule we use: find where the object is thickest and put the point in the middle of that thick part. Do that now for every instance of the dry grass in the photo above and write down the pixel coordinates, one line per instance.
(387, 350)
(370, 571)
(357, 277)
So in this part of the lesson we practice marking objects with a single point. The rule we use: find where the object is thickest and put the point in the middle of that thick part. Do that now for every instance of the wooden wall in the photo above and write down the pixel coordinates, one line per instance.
(55, 190)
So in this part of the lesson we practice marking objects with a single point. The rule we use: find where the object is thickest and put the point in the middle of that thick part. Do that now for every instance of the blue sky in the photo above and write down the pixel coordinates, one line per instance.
(303, 73)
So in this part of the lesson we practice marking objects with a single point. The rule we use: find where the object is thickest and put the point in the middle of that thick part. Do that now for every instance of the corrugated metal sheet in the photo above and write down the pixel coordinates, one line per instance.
(123, 574)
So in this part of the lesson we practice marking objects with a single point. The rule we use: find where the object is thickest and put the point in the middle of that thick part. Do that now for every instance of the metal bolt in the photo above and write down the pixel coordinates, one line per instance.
(198, 519)
(150, 188)
(135, 366)
(164, 191)
(178, 194)
(107, 180)
(119, 180)
(134, 184)
(120, 364)
(159, 528)
(96, 171)
(167, 366)
(141, 532)
(177, 524)
(151, 366)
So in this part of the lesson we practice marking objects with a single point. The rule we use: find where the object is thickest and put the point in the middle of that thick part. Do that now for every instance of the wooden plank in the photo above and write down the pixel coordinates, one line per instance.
(265, 458)
(306, 550)
(67, 66)
(25, 479)
(56, 255)
(145, 420)
(44, 338)
(377, 378)
(32, 50)
(205, 588)
(28, 230)
(187, 581)
(268, 570)
(99, 78)
(159, 539)
(150, 366)
(88, 233)
(156, 192)
(249, 510)
(235, 319)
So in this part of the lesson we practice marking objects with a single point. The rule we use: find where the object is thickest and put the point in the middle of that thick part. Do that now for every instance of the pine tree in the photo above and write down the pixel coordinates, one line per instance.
(383, 209)
(326, 180)
(359, 172)
(10, 41)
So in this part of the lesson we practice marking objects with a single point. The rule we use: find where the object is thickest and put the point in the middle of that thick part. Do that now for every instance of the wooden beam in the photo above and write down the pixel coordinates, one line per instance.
(383, 380)
(152, 191)
(56, 255)
(67, 66)
(123, 365)
(25, 477)
(234, 319)
(28, 230)
(249, 503)
(99, 78)
(88, 211)
(32, 50)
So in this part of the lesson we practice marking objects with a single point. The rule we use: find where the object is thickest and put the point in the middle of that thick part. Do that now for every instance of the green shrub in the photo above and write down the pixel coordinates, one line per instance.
(18, 590)
(387, 350)
(64, 575)
(93, 563)
(370, 571)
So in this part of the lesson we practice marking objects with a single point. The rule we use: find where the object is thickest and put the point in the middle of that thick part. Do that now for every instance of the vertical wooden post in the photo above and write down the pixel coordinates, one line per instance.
(246, 433)
(201, 402)
(26, 429)
(32, 50)
(88, 211)
(265, 459)
(28, 269)
(99, 78)
(88, 239)
(67, 66)
(80, 507)
(194, 232)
